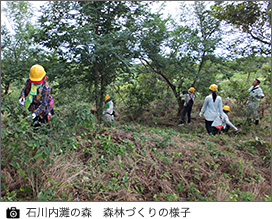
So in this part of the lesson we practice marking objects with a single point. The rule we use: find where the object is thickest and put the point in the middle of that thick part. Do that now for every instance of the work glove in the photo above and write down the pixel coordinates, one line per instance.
(33, 116)
(200, 114)
(236, 131)
(22, 101)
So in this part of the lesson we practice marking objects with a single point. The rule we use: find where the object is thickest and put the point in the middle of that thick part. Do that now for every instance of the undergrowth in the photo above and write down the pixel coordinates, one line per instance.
(81, 160)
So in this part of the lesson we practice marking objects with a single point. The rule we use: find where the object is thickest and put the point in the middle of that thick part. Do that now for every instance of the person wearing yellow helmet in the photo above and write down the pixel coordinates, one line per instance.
(35, 95)
(226, 109)
(222, 123)
(188, 104)
(108, 111)
(212, 107)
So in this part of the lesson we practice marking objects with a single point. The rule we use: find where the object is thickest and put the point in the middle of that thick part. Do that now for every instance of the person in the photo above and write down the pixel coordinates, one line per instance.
(255, 93)
(36, 96)
(222, 123)
(108, 109)
(188, 104)
(212, 107)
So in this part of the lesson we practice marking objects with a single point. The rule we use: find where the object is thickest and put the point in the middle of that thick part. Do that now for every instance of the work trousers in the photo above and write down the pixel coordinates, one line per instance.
(186, 110)
(108, 117)
(38, 121)
(252, 110)
(208, 125)
(216, 130)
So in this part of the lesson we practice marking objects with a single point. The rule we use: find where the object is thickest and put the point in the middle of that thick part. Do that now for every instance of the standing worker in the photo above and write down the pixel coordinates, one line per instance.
(36, 95)
(108, 109)
(188, 104)
(222, 123)
(212, 107)
(255, 93)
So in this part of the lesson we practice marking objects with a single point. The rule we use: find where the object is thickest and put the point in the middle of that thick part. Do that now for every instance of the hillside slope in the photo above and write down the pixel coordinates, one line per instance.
(138, 162)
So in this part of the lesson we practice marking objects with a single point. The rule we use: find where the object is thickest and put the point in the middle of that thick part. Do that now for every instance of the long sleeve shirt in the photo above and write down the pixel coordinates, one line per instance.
(41, 102)
(108, 110)
(212, 109)
(255, 94)
(223, 120)
(109, 107)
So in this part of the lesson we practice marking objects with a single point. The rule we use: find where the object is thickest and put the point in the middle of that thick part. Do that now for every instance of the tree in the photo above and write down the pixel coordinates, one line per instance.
(93, 37)
(205, 37)
(17, 45)
(152, 40)
(250, 17)
(189, 49)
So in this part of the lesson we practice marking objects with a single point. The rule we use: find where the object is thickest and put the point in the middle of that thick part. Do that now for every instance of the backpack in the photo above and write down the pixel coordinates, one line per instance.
(190, 103)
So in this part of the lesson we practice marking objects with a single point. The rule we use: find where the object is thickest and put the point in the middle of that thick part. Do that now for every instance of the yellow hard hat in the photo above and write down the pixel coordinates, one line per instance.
(107, 97)
(37, 73)
(213, 87)
(191, 89)
(226, 108)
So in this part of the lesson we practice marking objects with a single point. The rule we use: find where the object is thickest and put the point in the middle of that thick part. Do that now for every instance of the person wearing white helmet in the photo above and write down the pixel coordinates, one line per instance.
(255, 93)
(188, 104)
(212, 107)
(222, 123)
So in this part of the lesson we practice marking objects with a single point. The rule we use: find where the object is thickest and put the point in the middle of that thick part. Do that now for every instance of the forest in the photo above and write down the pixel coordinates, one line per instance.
(144, 58)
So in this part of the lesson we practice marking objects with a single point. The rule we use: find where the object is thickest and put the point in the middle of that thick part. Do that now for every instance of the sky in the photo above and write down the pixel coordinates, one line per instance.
(36, 4)
(172, 7)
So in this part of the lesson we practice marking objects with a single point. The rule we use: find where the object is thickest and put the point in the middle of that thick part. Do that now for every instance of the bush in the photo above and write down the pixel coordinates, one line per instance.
(26, 152)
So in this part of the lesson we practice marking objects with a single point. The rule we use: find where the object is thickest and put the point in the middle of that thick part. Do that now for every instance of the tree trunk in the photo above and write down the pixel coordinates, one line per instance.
(248, 76)
(98, 97)
(172, 86)
(199, 69)
(102, 94)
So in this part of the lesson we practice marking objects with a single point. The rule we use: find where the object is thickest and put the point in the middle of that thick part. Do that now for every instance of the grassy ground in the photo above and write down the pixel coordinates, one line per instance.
(153, 160)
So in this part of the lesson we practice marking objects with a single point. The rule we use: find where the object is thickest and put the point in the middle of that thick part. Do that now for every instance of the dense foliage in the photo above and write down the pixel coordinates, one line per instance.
(250, 17)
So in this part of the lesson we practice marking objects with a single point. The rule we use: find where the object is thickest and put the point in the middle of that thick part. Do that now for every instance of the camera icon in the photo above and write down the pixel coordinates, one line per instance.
(13, 213)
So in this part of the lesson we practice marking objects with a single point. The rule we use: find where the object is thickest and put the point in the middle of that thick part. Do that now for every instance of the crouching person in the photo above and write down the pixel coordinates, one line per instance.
(222, 123)
(36, 96)
(108, 111)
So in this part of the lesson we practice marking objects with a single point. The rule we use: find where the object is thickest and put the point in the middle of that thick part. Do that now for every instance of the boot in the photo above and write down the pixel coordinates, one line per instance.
(181, 124)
